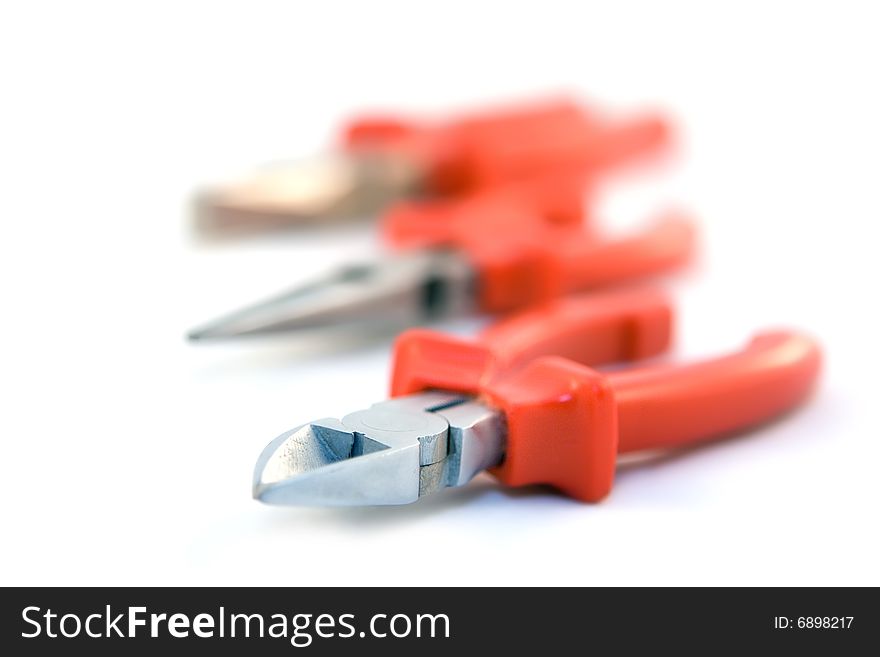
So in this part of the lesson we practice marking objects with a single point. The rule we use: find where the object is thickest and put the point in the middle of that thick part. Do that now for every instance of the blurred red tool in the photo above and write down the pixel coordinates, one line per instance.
(381, 160)
(521, 402)
(496, 251)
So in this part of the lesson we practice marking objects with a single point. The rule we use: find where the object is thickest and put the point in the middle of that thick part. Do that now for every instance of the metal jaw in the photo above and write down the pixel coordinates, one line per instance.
(396, 291)
(391, 453)
(337, 186)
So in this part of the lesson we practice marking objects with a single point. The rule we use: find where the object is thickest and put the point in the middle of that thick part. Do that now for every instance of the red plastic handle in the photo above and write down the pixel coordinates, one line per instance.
(566, 422)
(559, 200)
(615, 327)
(595, 330)
(511, 144)
(668, 406)
(522, 259)
(666, 244)
(536, 263)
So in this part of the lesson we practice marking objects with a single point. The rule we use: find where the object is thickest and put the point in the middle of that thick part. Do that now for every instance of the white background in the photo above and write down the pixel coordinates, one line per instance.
(127, 453)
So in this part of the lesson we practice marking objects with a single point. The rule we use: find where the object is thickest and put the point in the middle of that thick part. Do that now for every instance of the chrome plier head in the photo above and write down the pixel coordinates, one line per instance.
(391, 453)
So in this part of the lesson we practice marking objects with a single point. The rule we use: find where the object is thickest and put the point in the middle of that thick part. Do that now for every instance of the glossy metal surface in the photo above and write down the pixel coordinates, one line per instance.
(391, 453)
(395, 292)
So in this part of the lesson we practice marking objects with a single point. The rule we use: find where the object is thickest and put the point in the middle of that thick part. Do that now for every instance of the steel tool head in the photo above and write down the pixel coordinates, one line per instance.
(337, 186)
(391, 453)
(399, 290)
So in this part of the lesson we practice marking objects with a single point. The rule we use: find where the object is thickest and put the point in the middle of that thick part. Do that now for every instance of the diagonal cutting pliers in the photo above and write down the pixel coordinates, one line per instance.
(522, 402)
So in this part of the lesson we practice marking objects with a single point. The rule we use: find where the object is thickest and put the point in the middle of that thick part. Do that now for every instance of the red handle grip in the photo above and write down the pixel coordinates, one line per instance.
(512, 144)
(616, 327)
(595, 330)
(625, 141)
(537, 262)
(557, 200)
(387, 131)
(522, 259)
(672, 405)
(589, 262)
(566, 422)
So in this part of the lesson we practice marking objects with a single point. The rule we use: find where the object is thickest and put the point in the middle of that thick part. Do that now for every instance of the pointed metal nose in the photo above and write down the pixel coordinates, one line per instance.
(396, 291)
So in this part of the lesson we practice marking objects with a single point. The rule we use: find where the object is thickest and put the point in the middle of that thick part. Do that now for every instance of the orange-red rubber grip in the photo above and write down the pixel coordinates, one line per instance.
(566, 422)
(602, 329)
(511, 144)
(666, 244)
(667, 406)
(521, 259)
(557, 199)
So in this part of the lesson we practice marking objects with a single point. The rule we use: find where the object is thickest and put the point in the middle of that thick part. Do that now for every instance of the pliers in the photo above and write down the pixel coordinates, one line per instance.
(522, 402)
(495, 251)
(384, 159)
